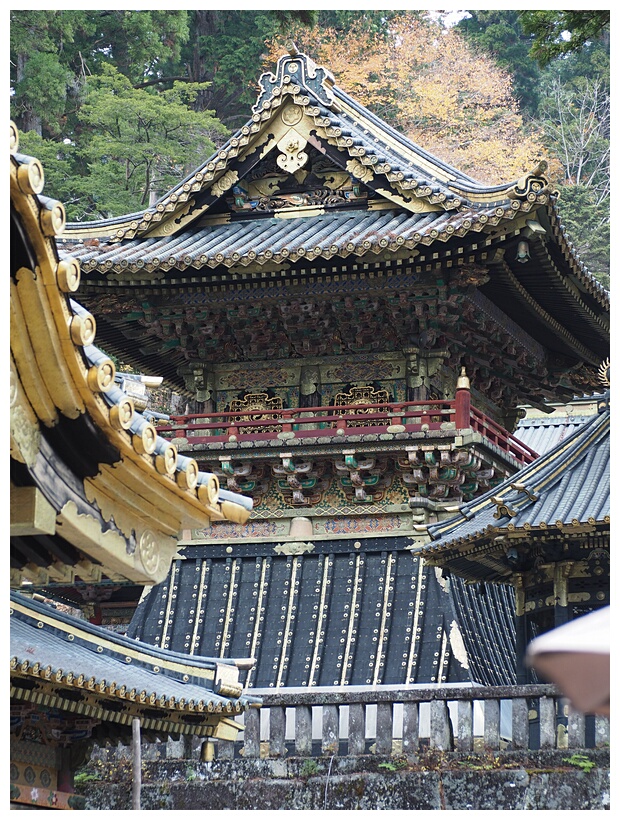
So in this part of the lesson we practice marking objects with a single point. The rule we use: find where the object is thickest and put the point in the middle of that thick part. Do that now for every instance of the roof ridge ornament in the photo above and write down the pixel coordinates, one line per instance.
(502, 508)
(604, 374)
(521, 488)
(296, 71)
(533, 185)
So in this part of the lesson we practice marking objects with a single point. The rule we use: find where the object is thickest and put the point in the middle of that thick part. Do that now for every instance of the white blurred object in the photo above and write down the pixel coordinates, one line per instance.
(576, 657)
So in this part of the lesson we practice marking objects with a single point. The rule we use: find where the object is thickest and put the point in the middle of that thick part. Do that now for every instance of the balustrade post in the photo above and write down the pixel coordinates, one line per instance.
(465, 728)
(303, 731)
(331, 730)
(601, 731)
(547, 723)
(520, 724)
(440, 726)
(384, 728)
(576, 730)
(277, 731)
(411, 728)
(491, 723)
(357, 729)
(251, 733)
(462, 403)
(395, 415)
(225, 749)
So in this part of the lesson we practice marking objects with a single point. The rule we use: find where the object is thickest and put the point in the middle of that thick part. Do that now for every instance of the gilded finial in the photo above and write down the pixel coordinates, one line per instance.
(463, 381)
(604, 374)
(292, 48)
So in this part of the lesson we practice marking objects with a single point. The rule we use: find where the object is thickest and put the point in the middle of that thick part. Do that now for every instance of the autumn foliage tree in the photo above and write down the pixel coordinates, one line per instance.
(430, 84)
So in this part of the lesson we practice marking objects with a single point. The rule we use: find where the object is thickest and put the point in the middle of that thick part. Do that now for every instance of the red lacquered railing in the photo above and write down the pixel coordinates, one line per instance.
(346, 420)
(497, 435)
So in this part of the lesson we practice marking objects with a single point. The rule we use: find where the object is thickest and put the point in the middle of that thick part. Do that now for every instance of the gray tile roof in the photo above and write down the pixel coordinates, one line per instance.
(342, 233)
(567, 486)
(543, 434)
(69, 646)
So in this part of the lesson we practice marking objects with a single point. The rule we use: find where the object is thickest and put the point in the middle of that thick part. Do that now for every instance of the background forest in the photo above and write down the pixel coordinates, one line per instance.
(121, 105)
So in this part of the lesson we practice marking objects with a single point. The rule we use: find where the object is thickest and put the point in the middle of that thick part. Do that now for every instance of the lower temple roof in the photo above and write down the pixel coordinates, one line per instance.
(562, 496)
(79, 667)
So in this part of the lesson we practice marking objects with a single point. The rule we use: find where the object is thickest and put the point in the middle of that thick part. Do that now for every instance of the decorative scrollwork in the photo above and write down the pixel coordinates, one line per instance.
(256, 401)
(361, 395)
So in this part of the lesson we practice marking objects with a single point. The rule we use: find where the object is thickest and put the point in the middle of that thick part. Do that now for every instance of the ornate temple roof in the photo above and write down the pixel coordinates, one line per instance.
(316, 190)
(96, 496)
(108, 679)
(94, 488)
(565, 492)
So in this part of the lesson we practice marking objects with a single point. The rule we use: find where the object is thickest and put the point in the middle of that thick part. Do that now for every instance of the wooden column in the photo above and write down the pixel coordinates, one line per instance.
(561, 573)
(524, 675)
(462, 416)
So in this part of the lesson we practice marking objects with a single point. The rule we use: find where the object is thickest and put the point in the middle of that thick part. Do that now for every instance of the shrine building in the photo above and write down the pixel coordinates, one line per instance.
(355, 327)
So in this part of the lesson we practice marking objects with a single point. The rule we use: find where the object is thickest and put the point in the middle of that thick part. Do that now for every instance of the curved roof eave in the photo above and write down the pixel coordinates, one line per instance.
(57, 373)
(67, 652)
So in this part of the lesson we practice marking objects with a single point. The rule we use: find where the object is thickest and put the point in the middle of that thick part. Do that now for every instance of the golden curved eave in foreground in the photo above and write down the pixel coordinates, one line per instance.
(147, 490)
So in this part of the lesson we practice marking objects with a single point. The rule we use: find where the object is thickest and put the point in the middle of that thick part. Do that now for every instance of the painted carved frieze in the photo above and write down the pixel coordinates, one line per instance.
(295, 175)
(248, 407)
(246, 477)
(362, 395)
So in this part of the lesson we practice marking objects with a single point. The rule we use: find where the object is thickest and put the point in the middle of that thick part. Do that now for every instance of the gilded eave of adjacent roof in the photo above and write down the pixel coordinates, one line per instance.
(76, 666)
(145, 493)
(566, 491)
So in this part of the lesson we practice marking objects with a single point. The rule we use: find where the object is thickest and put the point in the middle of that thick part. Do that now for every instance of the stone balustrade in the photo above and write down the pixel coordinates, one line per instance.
(386, 720)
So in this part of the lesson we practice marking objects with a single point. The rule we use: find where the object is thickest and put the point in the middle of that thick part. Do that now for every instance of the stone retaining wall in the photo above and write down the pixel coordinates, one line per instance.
(434, 780)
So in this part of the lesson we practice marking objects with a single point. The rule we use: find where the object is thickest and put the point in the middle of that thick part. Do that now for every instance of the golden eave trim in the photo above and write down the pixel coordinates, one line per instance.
(172, 720)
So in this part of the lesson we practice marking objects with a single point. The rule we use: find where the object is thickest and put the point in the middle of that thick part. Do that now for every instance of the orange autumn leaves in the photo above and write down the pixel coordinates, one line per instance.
(432, 86)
